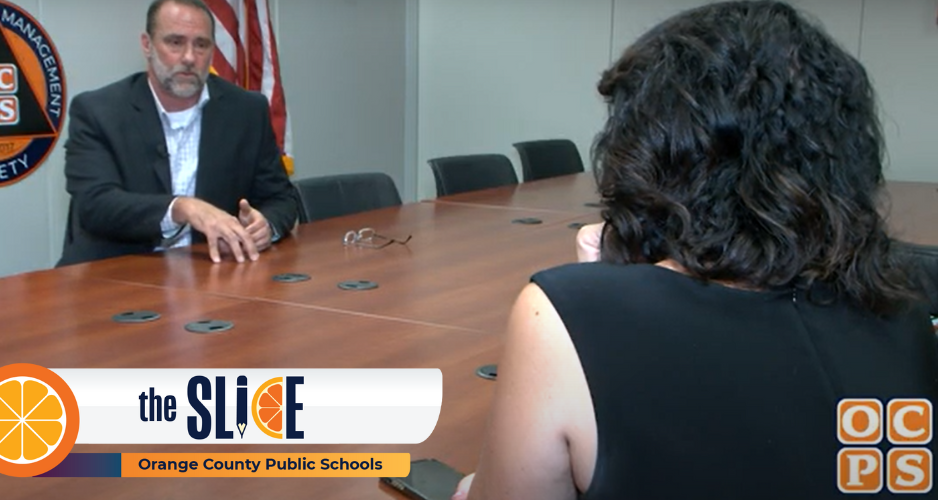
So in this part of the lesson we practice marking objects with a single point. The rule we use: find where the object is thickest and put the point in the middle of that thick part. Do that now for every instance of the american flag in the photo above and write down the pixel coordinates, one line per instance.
(246, 54)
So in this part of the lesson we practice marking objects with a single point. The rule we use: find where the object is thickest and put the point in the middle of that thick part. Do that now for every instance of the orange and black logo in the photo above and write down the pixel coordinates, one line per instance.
(906, 424)
(32, 94)
(38, 420)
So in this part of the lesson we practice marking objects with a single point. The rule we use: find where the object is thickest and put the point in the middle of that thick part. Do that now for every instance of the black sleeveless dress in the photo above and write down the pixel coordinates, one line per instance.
(704, 391)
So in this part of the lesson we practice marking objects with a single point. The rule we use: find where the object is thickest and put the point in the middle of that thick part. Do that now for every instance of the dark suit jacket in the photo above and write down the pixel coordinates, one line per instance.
(118, 172)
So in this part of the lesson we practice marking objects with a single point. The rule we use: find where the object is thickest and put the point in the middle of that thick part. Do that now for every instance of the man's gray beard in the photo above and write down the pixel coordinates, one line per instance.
(164, 75)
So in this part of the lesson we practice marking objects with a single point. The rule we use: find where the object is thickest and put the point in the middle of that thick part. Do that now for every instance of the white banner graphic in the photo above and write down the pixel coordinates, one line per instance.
(187, 406)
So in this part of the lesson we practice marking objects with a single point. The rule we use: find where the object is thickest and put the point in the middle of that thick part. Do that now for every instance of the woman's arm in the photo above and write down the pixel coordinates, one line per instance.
(541, 437)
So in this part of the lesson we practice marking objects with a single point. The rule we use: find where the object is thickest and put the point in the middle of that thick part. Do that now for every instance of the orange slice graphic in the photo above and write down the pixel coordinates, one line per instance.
(267, 408)
(38, 420)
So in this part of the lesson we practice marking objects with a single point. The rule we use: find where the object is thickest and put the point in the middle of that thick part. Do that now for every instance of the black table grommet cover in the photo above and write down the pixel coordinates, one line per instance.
(291, 278)
(488, 372)
(209, 326)
(358, 285)
(136, 317)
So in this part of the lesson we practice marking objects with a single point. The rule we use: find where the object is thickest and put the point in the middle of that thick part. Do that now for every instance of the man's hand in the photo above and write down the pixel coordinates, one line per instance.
(220, 228)
(255, 224)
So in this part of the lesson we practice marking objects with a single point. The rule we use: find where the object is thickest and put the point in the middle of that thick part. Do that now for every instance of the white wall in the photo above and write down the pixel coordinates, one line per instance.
(495, 72)
(899, 47)
(343, 68)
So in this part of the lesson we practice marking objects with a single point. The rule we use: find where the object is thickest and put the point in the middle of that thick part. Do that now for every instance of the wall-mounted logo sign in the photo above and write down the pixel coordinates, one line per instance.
(32, 94)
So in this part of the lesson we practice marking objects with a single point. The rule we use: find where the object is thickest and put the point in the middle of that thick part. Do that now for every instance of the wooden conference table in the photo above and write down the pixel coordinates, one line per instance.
(442, 301)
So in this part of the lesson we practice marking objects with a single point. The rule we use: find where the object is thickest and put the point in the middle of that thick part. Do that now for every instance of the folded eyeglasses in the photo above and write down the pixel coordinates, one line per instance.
(369, 238)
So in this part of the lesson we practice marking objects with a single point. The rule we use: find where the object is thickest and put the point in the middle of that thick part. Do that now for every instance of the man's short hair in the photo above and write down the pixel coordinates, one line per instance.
(156, 5)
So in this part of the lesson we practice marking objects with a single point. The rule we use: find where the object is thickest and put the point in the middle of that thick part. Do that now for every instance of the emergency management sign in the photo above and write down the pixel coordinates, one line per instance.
(32, 94)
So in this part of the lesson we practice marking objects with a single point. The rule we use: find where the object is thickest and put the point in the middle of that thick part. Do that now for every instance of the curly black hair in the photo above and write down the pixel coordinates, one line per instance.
(743, 143)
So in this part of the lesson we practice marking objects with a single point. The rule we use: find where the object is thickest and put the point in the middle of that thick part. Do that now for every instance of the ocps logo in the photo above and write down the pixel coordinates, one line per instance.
(906, 423)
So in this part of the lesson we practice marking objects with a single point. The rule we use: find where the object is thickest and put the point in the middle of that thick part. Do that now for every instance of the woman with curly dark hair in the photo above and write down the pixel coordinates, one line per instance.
(745, 283)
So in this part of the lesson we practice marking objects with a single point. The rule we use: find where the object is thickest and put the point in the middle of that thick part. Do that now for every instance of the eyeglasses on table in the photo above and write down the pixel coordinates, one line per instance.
(369, 238)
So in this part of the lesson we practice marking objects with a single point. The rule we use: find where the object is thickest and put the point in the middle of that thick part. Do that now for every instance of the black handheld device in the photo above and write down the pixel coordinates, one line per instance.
(429, 479)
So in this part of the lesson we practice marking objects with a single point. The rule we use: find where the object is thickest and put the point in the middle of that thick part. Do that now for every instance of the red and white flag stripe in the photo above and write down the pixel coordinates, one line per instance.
(246, 54)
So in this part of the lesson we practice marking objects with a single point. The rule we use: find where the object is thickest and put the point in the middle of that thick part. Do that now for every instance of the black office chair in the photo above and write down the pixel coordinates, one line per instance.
(548, 158)
(345, 194)
(923, 266)
(459, 174)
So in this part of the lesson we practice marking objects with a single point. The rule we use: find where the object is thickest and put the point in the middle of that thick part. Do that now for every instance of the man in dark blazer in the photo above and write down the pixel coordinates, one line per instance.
(126, 165)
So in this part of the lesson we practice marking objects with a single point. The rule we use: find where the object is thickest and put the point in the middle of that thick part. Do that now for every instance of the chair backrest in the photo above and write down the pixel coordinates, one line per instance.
(922, 261)
(548, 158)
(345, 194)
(459, 174)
